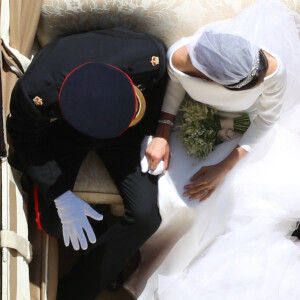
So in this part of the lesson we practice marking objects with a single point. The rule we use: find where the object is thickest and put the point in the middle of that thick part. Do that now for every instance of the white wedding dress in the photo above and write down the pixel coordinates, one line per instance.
(254, 258)
(237, 244)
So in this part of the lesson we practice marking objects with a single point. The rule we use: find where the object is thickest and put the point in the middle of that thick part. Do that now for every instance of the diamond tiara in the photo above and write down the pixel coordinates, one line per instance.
(252, 73)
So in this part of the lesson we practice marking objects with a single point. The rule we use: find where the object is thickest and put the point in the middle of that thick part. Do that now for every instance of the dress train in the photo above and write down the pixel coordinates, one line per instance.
(256, 257)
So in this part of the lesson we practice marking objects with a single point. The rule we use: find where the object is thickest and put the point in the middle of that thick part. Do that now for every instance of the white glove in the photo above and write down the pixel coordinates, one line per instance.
(73, 213)
(144, 160)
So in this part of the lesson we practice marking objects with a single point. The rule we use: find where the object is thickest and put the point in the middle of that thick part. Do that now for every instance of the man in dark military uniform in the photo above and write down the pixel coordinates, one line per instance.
(82, 92)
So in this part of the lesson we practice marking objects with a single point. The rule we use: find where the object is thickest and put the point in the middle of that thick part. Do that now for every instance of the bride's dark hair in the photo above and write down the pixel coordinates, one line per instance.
(261, 72)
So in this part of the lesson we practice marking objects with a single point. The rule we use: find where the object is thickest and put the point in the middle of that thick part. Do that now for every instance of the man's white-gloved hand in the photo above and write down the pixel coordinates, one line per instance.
(144, 160)
(73, 213)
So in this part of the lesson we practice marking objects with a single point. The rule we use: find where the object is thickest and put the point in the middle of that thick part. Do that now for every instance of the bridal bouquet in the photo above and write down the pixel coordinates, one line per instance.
(201, 130)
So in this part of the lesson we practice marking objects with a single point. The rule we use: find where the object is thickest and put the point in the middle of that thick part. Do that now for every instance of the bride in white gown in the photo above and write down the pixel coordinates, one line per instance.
(236, 244)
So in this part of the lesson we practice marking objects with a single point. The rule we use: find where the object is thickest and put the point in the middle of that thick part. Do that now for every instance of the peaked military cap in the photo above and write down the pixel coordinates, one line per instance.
(100, 100)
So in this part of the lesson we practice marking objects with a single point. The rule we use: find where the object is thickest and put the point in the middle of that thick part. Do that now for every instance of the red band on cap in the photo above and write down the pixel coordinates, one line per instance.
(62, 85)
(132, 85)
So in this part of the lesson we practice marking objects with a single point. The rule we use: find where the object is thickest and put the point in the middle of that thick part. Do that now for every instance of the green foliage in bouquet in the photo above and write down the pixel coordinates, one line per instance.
(199, 126)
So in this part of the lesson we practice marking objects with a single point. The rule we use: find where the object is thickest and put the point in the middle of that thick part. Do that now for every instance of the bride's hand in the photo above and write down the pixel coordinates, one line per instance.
(208, 178)
(156, 151)
(205, 182)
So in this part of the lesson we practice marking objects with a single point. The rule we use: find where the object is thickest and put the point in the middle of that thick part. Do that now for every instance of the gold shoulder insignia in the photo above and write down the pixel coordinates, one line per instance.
(37, 100)
(154, 61)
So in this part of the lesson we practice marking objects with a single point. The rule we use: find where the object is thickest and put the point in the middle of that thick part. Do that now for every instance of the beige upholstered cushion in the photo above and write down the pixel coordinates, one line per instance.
(94, 184)
(92, 179)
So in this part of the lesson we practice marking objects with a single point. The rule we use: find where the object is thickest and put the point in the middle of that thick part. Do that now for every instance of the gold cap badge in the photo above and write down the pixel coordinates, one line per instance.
(37, 100)
(154, 61)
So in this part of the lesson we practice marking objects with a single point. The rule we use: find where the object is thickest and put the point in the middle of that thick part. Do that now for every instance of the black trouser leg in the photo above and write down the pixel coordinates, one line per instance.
(105, 259)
